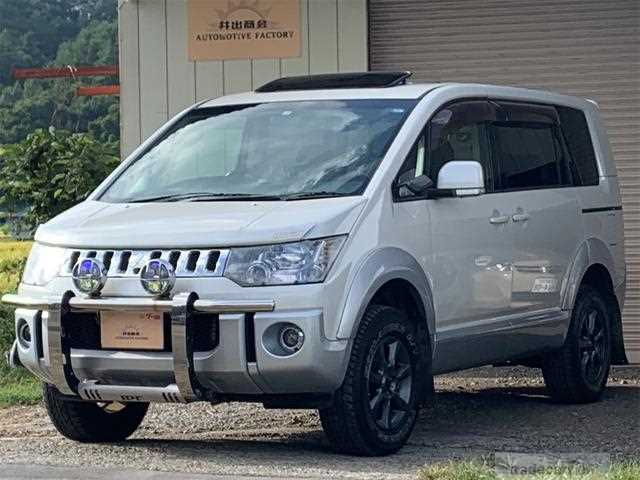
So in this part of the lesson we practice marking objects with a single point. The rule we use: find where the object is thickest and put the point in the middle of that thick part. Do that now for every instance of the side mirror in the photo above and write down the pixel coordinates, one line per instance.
(419, 185)
(461, 177)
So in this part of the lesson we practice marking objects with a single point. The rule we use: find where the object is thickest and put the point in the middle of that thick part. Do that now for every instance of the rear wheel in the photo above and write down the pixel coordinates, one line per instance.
(92, 422)
(376, 408)
(578, 372)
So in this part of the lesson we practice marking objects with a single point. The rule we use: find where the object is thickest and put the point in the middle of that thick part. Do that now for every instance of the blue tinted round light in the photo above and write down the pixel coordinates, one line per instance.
(158, 277)
(89, 276)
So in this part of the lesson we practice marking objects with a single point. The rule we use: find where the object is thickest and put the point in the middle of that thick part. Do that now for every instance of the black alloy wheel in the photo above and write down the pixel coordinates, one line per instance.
(593, 346)
(577, 372)
(390, 382)
(374, 411)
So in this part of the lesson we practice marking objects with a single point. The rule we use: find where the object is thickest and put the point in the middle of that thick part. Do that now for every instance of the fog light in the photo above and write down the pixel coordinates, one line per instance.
(158, 277)
(291, 338)
(89, 276)
(24, 333)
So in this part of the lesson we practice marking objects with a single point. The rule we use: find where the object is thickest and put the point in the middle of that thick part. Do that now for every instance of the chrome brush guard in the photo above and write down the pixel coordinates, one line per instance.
(180, 309)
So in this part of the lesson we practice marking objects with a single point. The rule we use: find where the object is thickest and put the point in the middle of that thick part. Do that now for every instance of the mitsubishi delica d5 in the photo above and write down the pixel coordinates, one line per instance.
(332, 242)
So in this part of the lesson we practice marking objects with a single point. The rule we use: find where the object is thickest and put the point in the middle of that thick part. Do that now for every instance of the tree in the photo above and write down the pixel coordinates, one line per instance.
(49, 172)
(39, 33)
(31, 104)
(32, 30)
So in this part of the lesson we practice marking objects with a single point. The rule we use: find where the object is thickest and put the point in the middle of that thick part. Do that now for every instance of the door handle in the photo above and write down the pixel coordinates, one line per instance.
(498, 220)
(520, 217)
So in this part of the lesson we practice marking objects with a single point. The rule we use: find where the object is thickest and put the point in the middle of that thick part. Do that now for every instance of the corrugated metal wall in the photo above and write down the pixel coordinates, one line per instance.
(589, 48)
(158, 80)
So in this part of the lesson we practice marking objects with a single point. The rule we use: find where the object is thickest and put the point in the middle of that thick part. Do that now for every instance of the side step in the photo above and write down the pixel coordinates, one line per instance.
(122, 393)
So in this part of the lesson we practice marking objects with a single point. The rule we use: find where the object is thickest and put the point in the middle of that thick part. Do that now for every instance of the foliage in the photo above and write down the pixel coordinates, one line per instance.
(32, 30)
(39, 33)
(16, 386)
(49, 172)
(13, 256)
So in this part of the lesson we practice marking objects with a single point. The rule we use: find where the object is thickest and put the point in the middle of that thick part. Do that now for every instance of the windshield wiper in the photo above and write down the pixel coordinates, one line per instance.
(235, 197)
(238, 197)
(160, 198)
(323, 194)
(205, 197)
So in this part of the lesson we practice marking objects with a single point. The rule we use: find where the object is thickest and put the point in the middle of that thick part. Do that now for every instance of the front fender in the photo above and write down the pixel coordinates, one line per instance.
(379, 267)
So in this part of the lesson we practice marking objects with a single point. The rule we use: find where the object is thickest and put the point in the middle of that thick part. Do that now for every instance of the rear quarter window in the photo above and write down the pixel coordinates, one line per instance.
(576, 133)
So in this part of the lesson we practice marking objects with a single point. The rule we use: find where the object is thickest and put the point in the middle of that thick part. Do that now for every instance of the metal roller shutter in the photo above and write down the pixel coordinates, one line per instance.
(588, 48)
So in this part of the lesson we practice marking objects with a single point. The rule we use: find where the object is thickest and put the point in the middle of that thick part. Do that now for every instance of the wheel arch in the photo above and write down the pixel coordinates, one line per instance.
(393, 276)
(594, 265)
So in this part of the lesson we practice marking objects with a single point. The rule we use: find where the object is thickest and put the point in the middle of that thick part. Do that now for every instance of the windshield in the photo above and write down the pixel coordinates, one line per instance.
(279, 150)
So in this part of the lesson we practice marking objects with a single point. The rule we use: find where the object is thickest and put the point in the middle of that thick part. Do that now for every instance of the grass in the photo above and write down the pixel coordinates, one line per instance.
(482, 470)
(17, 387)
(24, 390)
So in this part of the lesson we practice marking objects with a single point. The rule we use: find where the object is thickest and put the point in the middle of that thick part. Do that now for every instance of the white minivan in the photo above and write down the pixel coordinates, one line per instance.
(332, 242)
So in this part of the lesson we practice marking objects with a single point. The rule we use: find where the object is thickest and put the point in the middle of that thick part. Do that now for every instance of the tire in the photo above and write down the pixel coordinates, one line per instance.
(374, 411)
(578, 372)
(89, 422)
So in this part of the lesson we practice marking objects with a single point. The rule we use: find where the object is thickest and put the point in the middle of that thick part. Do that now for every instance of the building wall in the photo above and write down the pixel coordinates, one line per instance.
(157, 79)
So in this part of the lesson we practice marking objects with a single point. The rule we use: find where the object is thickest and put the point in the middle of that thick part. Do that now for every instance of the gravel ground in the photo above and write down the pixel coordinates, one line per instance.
(476, 412)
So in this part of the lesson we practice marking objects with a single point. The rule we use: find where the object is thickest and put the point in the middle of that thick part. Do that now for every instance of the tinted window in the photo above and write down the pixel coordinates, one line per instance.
(576, 133)
(528, 148)
(456, 132)
(526, 157)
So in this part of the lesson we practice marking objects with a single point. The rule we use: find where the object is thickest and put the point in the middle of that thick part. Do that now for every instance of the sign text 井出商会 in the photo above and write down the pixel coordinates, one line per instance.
(242, 29)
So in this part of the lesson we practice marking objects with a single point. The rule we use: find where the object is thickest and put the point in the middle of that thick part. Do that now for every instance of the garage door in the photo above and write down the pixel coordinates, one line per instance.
(588, 48)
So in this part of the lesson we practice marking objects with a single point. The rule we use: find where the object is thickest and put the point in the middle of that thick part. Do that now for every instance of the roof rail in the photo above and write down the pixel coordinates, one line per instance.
(336, 80)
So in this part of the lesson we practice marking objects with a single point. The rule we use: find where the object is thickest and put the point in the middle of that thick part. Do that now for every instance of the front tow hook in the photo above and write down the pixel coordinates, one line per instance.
(11, 357)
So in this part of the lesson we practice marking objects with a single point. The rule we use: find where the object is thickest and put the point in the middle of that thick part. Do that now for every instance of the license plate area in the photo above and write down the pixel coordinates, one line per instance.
(132, 331)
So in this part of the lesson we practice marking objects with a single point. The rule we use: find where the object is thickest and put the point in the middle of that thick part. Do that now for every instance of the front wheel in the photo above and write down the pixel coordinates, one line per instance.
(92, 422)
(375, 409)
(578, 372)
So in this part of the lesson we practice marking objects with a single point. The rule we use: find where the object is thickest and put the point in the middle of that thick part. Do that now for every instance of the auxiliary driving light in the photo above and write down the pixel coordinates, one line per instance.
(291, 338)
(158, 277)
(89, 276)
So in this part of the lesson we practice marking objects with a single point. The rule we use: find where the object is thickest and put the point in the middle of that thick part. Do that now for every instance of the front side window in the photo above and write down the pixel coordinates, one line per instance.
(279, 149)
(456, 132)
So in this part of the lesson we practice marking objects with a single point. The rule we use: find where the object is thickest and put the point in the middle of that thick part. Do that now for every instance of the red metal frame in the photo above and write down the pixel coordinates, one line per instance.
(65, 72)
(98, 90)
(73, 72)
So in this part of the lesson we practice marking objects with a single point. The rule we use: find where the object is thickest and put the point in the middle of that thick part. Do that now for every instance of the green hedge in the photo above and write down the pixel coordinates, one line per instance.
(16, 386)
(13, 256)
(49, 172)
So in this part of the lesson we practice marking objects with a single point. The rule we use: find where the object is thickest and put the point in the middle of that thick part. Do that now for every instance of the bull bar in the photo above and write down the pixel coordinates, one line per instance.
(180, 308)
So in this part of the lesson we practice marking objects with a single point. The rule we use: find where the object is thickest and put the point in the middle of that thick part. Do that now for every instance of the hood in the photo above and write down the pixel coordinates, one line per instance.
(94, 224)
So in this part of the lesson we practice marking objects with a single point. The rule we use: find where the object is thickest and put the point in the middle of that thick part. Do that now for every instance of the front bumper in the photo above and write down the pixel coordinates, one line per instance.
(240, 364)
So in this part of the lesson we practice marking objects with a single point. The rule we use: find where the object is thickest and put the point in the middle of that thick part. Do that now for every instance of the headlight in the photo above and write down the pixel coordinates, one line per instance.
(43, 265)
(283, 264)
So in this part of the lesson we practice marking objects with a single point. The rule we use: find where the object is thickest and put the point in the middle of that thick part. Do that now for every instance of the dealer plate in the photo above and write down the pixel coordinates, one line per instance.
(132, 330)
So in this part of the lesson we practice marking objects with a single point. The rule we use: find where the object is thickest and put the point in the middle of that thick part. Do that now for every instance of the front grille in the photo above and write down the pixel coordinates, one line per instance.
(205, 331)
(82, 330)
(128, 263)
